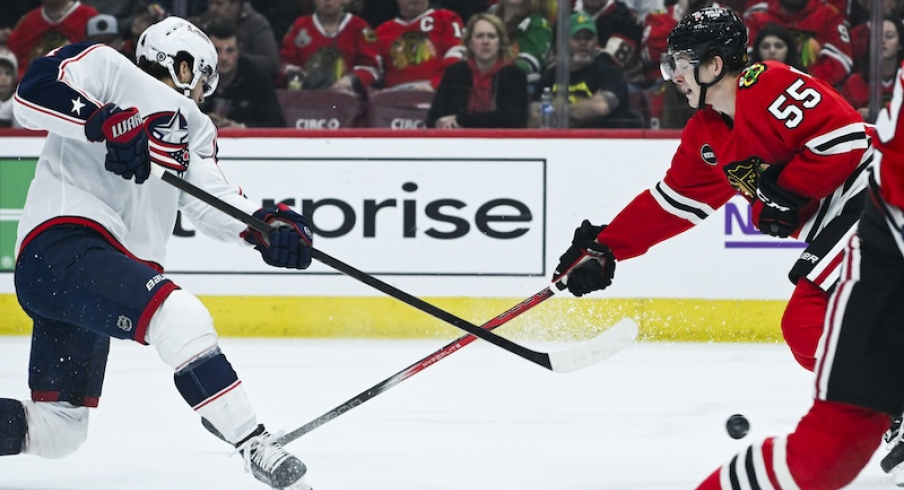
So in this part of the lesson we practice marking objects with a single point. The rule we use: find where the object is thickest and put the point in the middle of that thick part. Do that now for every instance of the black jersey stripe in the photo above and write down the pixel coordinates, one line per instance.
(845, 138)
(682, 207)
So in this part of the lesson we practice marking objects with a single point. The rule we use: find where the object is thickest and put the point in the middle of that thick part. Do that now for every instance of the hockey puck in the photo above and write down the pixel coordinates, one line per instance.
(737, 426)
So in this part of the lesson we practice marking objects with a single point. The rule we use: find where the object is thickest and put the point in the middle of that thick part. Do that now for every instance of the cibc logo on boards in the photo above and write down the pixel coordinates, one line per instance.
(402, 216)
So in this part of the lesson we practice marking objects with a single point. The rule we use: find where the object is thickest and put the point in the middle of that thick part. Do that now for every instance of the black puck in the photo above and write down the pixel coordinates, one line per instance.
(737, 426)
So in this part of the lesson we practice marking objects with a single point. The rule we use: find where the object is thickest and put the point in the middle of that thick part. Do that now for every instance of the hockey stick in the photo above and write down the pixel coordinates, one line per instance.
(572, 359)
(617, 338)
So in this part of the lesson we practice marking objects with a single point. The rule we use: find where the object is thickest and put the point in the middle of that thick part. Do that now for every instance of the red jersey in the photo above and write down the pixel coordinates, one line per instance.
(36, 35)
(656, 28)
(420, 49)
(782, 117)
(351, 49)
(856, 90)
(821, 31)
(890, 144)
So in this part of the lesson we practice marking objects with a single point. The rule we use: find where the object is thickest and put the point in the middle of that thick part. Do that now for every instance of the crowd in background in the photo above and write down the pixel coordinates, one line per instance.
(476, 63)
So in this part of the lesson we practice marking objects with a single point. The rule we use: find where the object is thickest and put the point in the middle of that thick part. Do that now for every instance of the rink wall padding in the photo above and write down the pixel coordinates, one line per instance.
(472, 221)
(557, 319)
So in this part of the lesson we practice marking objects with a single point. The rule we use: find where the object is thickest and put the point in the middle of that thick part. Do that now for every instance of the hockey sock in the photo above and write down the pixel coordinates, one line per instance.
(833, 443)
(212, 388)
(829, 448)
(13, 427)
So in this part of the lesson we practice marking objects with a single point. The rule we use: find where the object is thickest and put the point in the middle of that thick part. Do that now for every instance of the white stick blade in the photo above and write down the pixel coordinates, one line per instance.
(604, 345)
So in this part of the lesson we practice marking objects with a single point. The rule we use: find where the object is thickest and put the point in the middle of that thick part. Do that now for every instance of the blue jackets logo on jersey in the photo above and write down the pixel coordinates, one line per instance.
(168, 140)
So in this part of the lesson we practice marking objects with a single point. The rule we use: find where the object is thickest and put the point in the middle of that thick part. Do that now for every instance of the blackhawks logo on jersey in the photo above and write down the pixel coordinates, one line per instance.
(744, 176)
(411, 49)
(168, 140)
(750, 75)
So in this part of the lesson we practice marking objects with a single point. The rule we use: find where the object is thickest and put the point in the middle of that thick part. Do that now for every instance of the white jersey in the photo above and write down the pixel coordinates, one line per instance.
(58, 94)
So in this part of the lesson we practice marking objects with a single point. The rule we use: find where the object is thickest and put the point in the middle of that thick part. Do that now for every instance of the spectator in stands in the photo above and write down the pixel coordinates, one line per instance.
(774, 42)
(597, 90)
(252, 29)
(104, 28)
(281, 14)
(12, 11)
(375, 12)
(464, 8)
(9, 69)
(330, 50)
(418, 45)
(860, 28)
(619, 32)
(143, 16)
(123, 10)
(53, 24)
(245, 97)
(527, 25)
(822, 33)
(486, 90)
(856, 87)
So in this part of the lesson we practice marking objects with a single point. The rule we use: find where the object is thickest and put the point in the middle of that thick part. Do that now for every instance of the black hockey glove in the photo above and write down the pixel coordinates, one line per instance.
(290, 240)
(593, 274)
(127, 141)
(780, 215)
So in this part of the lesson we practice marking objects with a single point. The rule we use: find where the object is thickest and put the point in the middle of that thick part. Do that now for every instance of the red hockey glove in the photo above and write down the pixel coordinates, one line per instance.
(780, 215)
(593, 274)
(127, 141)
(289, 242)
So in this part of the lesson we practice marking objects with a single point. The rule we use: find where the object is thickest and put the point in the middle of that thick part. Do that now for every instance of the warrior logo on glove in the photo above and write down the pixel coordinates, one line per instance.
(168, 140)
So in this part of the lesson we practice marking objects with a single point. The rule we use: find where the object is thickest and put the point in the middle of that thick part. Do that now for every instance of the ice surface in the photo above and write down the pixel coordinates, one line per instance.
(651, 417)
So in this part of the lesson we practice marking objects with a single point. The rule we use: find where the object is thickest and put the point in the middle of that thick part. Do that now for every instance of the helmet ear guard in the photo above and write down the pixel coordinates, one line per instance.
(174, 39)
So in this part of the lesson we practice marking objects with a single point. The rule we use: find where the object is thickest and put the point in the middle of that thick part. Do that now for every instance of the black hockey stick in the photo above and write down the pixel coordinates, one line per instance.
(574, 358)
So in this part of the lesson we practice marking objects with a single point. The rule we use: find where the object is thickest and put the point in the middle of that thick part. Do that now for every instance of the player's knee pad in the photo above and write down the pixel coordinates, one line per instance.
(181, 330)
(55, 429)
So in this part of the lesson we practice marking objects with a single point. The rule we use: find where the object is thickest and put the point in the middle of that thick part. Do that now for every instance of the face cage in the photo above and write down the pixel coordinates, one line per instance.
(674, 63)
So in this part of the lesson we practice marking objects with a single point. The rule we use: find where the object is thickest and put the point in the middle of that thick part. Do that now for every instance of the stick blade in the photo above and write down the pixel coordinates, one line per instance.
(604, 345)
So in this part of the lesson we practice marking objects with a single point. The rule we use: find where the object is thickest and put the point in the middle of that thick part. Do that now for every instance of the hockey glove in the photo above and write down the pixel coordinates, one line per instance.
(127, 141)
(593, 274)
(289, 242)
(780, 215)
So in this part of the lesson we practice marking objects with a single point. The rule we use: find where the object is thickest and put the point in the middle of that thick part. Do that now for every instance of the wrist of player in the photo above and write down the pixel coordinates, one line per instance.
(288, 243)
(778, 208)
(587, 265)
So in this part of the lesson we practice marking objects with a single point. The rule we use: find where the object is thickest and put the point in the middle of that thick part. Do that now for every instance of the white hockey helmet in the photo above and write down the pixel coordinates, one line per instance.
(162, 42)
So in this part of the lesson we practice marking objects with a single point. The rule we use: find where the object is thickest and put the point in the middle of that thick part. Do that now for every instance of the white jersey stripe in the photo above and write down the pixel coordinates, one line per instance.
(842, 140)
(780, 464)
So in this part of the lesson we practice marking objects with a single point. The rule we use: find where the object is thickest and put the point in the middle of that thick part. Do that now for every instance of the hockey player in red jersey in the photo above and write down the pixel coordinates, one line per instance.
(824, 43)
(418, 45)
(860, 373)
(785, 141)
(332, 49)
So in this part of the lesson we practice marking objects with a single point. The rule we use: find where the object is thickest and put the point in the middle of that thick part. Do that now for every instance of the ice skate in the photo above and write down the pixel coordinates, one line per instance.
(270, 463)
(893, 462)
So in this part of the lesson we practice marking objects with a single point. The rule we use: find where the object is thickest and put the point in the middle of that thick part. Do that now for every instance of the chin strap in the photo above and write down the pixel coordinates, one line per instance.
(701, 102)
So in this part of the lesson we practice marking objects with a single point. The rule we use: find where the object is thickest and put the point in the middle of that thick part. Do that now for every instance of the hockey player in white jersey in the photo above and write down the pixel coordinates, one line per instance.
(91, 241)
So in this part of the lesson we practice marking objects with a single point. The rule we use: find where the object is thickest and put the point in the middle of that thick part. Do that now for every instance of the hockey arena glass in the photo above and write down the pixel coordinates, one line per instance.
(675, 63)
